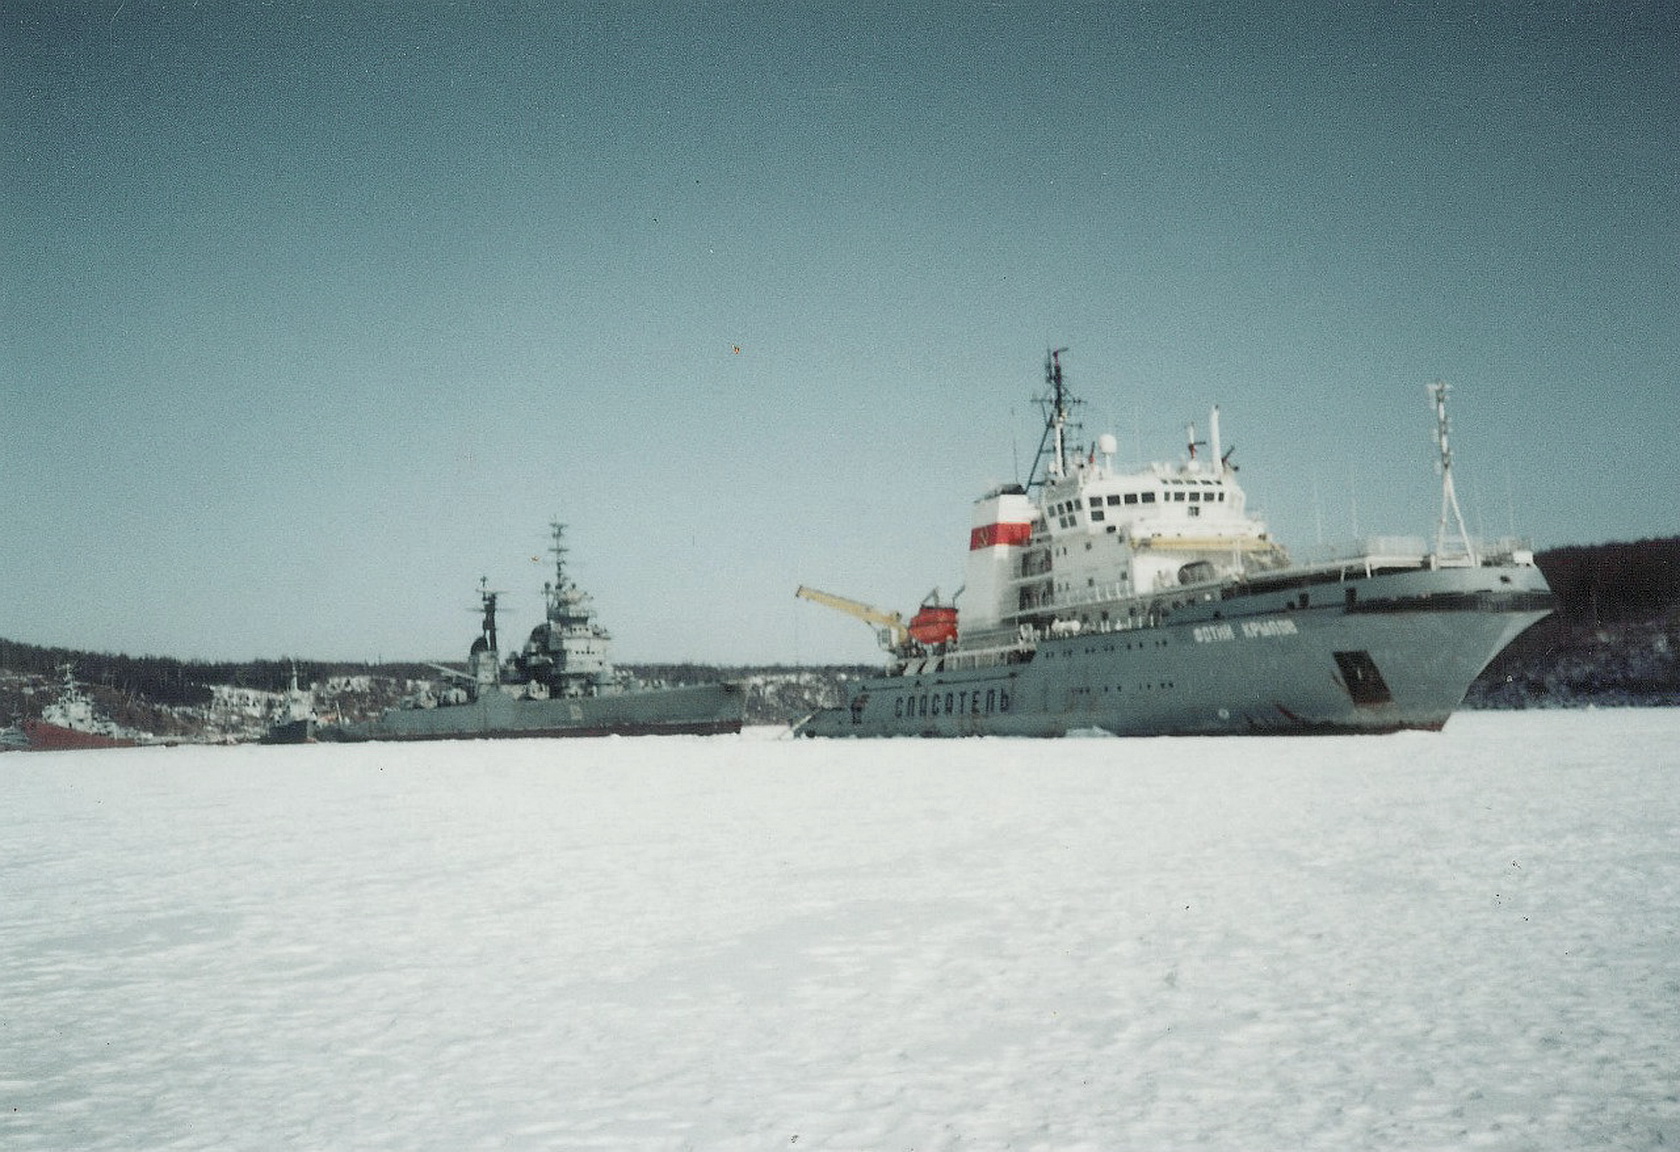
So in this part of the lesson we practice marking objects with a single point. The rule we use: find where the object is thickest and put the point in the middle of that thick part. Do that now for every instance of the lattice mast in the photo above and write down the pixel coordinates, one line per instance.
(1058, 405)
(1449, 495)
(567, 604)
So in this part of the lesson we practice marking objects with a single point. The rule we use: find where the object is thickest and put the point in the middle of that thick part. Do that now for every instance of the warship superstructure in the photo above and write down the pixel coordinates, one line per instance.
(1152, 602)
(69, 723)
(561, 682)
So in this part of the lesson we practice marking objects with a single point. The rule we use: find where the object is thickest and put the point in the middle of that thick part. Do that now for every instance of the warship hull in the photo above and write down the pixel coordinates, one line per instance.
(703, 709)
(1358, 655)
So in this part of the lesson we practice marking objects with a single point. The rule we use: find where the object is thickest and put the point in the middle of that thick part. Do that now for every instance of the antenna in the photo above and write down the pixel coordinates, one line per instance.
(1449, 495)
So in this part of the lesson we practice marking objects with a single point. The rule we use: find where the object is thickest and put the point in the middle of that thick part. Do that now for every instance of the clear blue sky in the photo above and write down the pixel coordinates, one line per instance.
(312, 314)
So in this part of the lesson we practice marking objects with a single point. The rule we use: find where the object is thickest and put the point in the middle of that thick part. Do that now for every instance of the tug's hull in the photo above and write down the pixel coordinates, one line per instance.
(1372, 654)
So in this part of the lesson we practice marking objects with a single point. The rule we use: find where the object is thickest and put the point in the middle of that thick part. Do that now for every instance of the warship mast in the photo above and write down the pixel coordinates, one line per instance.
(555, 593)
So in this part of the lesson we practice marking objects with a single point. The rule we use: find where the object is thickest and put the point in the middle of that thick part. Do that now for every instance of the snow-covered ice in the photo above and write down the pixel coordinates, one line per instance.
(1463, 940)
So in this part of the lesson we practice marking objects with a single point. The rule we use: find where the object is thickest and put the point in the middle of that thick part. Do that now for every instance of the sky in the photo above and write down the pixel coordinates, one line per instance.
(312, 316)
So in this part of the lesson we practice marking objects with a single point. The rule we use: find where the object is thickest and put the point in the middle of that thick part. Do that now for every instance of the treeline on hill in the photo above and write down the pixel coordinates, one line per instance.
(148, 692)
(1614, 639)
(183, 683)
(1610, 582)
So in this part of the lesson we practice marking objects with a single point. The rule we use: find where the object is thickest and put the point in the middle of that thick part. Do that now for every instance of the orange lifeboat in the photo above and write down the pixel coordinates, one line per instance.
(934, 624)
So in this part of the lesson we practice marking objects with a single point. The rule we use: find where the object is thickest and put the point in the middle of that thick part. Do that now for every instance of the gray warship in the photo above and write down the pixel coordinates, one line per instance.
(297, 722)
(560, 683)
(1152, 603)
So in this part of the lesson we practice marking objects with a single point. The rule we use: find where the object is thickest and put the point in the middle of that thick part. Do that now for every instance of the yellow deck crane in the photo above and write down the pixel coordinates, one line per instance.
(890, 628)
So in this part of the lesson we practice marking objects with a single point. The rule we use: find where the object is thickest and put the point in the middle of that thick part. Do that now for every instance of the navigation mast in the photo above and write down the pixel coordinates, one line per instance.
(1449, 495)
(1058, 404)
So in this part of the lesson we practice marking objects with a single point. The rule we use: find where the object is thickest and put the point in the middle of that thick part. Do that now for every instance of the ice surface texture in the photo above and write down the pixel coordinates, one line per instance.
(1463, 940)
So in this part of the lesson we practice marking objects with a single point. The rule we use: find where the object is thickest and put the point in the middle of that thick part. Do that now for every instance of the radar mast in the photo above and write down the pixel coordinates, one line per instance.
(565, 601)
(1058, 404)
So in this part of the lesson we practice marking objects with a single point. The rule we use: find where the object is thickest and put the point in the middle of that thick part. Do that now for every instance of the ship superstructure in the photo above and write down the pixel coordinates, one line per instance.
(69, 722)
(567, 655)
(1152, 601)
(1082, 546)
